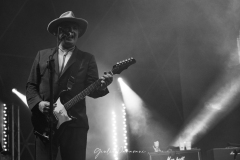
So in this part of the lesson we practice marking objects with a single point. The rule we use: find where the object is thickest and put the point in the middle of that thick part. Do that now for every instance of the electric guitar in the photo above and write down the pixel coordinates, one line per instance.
(60, 112)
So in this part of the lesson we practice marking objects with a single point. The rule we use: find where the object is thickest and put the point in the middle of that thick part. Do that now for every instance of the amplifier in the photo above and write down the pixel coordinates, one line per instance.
(176, 155)
(222, 154)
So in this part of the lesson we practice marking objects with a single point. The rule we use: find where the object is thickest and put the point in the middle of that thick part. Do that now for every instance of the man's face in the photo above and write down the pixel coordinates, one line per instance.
(73, 29)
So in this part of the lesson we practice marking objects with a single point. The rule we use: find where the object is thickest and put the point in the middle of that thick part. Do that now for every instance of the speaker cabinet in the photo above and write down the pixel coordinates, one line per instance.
(222, 154)
(176, 155)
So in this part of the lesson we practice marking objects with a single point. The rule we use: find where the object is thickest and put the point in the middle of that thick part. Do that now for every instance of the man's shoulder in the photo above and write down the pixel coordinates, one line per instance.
(44, 54)
(46, 51)
(85, 53)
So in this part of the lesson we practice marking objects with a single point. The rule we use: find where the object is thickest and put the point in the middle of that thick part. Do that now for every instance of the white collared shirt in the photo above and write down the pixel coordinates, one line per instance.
(61, 54)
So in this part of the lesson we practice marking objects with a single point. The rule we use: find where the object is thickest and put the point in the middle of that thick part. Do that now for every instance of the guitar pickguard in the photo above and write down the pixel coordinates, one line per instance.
(60, 113)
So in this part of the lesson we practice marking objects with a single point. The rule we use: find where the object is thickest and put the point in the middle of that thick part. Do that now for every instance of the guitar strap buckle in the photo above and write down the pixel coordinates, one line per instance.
(71, 81)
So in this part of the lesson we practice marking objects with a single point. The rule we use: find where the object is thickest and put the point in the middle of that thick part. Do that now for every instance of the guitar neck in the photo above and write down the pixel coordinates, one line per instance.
(117, 69)
(82, 94)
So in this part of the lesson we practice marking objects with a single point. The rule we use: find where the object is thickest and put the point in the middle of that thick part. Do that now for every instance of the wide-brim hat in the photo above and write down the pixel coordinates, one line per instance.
(67, 17)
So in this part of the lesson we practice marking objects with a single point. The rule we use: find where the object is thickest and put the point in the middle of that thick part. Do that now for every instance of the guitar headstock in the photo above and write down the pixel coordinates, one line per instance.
(122, 65)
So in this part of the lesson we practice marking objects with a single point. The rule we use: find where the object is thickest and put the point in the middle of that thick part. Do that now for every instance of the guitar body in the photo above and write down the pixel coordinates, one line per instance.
(60, 113)
(60, 116)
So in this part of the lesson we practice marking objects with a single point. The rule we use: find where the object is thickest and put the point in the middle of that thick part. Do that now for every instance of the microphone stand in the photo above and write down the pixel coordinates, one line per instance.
(51, 67)
(51, 71)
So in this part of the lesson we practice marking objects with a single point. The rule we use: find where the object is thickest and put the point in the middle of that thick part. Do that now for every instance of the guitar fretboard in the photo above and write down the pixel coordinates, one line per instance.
(82, 95)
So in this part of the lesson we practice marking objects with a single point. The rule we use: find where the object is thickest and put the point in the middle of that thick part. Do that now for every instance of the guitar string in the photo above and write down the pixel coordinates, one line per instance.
(81, 95)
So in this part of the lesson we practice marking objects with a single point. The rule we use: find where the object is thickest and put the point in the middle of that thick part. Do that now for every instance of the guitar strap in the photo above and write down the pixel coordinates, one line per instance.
(77, 64)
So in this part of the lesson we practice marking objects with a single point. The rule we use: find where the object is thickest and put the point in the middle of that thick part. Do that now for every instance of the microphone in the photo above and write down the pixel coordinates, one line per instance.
(66, 33)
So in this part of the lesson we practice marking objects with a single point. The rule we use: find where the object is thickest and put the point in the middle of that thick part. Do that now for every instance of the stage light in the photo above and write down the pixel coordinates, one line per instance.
(5, 124)
(20, 95)
(114, 131)
(124, 126)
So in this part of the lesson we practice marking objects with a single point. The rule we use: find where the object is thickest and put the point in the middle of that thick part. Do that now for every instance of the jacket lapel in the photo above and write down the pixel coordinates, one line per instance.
(70, 62)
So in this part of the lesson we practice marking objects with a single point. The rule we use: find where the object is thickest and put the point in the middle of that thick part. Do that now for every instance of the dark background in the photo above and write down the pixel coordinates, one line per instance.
(182, 48)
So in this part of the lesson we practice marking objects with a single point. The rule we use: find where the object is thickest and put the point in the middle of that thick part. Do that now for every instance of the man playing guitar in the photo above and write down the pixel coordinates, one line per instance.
(69, 62)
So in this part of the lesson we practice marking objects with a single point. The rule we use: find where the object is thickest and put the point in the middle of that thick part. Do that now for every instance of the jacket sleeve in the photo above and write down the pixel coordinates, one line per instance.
(92, 76)
(32, 86)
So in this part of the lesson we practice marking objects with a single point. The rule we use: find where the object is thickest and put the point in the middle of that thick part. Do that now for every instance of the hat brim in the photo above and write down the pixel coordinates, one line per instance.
(52, 26)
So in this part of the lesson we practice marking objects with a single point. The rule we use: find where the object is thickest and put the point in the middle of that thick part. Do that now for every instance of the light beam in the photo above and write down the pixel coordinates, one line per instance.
(214, 108)
(20, 95)
(135, 107)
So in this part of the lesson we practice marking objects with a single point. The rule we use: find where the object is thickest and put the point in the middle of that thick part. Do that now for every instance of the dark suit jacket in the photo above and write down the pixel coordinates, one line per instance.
(37, 88)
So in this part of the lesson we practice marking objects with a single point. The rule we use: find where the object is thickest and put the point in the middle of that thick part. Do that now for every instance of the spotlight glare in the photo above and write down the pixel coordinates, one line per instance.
(135, 109)
(14, 90)
(120, 80)
(21, 96)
